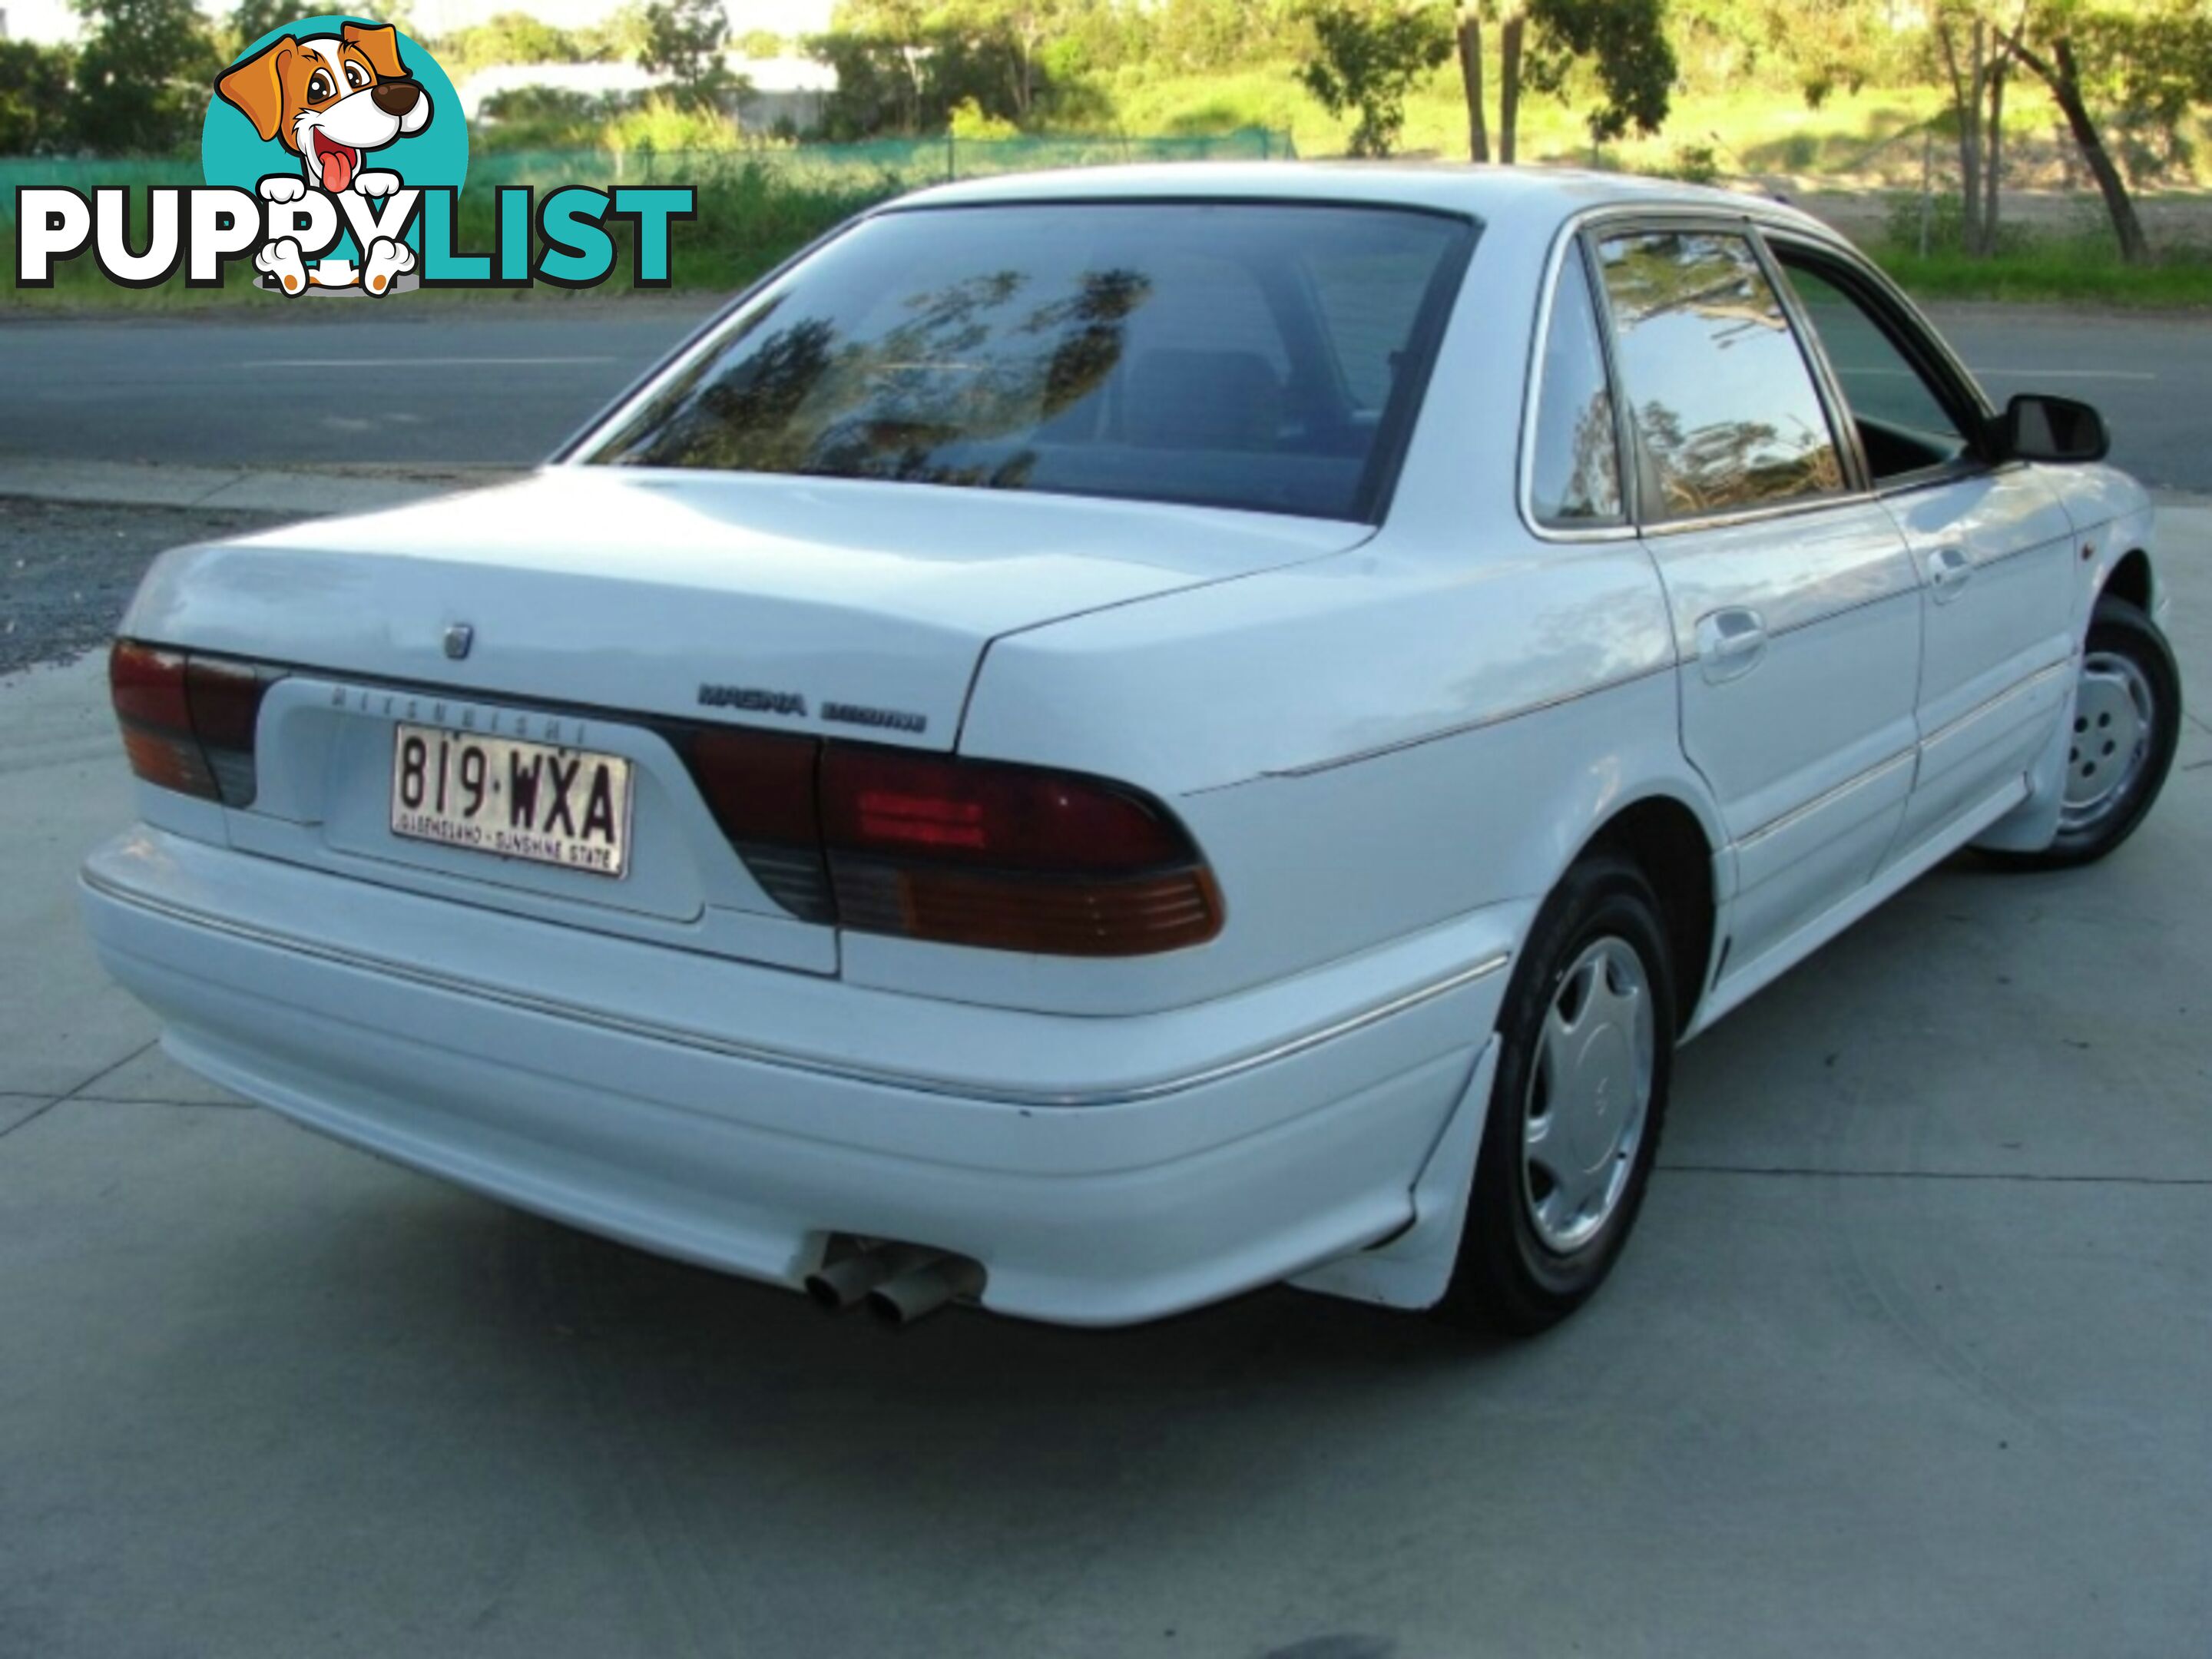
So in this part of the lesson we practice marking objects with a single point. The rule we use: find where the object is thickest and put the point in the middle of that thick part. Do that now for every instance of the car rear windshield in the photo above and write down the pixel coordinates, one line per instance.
(1264, 356)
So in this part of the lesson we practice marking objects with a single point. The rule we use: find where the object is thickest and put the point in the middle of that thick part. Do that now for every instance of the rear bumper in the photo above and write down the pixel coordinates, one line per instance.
(1103, 1170)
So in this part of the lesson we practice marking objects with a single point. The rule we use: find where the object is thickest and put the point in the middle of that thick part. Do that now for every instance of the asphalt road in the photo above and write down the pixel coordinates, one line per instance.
(507, 384)
(468, 384)
(1910, 1355)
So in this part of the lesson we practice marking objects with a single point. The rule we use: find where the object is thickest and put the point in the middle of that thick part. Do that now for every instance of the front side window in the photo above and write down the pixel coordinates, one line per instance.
(1574, 465)
(1905, 426)
(1721, 404)
(1173, 352)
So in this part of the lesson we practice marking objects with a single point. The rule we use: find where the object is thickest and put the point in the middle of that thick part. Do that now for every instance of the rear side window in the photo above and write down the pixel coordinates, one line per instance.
(1574, 467)
(1264, 356)
(1721, 402)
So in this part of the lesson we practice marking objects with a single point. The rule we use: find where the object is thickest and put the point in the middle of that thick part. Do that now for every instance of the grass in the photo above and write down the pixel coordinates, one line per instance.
(2068, 270)
(1759, 131)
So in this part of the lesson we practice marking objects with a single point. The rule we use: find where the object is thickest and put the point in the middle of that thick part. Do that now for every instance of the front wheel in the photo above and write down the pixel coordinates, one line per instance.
(1587, 1037)
(2126, 723)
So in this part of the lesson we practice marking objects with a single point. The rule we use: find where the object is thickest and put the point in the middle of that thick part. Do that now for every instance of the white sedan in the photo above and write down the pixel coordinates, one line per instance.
(1102, 740)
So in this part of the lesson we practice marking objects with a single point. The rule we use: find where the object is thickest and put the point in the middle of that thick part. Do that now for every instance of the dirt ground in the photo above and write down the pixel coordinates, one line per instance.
(2171, 219)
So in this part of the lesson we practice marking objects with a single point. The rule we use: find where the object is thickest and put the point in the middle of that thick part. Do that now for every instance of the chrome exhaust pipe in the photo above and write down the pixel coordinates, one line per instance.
(839, 1286)
(922, 1289)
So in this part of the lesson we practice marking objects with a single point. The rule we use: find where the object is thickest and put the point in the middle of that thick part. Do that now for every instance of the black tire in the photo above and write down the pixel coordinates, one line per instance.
(1508, 1278)
(2118, 630)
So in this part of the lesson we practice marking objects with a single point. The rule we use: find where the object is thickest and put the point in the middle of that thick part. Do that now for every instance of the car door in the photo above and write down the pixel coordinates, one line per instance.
(1796, 604)
(1994, 544)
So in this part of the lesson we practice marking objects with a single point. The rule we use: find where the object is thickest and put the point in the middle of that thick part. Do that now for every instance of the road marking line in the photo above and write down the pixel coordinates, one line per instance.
(2071, 374)
(419, 362)
(2011, 374)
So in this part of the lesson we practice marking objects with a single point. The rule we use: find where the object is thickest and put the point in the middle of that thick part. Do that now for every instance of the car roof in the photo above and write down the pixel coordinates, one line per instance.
(1529, 198)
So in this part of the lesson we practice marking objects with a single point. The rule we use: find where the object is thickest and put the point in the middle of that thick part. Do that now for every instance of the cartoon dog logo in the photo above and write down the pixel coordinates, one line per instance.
(331, 99)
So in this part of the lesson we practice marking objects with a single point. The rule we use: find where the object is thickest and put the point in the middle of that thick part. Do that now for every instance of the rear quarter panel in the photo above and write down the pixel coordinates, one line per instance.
(1364, 748)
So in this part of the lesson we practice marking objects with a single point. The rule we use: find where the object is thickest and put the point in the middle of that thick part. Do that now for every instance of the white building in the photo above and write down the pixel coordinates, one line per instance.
(791, 89)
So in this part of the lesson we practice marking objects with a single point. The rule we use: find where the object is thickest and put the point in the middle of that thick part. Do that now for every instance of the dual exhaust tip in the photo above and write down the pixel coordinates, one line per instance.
(900, 1283)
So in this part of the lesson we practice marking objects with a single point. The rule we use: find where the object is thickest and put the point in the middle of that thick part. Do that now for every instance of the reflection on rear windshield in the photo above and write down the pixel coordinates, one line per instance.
(1237, 355)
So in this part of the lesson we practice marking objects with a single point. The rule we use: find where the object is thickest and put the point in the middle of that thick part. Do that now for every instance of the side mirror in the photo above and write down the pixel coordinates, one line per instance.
(2038, 428)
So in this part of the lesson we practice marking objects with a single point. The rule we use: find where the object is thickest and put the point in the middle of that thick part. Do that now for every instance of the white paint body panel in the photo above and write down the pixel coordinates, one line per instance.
(1389, 741)
(1809, 751)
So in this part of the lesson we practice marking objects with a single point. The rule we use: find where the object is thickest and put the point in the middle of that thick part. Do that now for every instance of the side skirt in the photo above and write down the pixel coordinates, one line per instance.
(1756, 975)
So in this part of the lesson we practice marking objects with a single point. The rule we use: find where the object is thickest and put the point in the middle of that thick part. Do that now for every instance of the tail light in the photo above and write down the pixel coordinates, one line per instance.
(760, 787)
(188, 720)
(1008, 857)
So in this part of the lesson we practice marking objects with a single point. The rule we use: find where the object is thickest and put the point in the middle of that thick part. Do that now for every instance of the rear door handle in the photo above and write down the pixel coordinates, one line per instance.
(1730, 644)
(1949, 570)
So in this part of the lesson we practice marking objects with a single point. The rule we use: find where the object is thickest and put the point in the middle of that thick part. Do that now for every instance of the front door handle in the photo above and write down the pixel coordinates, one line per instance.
(1949, 570)
(1730, 644)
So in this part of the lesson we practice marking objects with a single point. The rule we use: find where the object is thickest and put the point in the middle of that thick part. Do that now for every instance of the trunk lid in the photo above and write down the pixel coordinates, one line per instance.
(850, 609)
(600, 606)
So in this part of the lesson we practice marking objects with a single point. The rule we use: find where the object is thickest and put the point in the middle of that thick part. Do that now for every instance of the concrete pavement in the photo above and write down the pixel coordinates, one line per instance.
(1909, 1356)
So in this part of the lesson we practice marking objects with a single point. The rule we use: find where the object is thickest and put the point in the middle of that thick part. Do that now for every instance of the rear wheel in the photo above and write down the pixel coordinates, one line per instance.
(1587, 1038)
(2126, 722)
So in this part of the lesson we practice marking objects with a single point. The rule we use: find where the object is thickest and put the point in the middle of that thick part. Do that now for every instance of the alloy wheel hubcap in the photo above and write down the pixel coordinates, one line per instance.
(1589, 1091)
(2114, 717)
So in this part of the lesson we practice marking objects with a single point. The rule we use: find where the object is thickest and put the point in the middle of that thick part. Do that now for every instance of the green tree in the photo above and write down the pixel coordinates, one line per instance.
(1976, 58)
(1366, 60)
(1015, 33)
(683, 40)
(2146, 62)
(619, 38)
(252, 19)
(507, 37)
(761, 43)
(968, 120)
(905, 66)
(1205, 34)
(1813, 47)
(1542, 43)
(36, 113)
(144, 75)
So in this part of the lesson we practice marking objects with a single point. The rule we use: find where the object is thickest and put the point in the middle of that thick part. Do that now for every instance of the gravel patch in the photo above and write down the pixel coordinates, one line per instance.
(67, 569)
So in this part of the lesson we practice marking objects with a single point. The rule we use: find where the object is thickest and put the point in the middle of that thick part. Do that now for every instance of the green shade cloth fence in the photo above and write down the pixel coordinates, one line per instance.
(885, 164)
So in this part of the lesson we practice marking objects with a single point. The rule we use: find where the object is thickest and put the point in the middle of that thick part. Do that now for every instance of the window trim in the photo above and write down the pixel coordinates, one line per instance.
(1900, 322)
(1569, 239)
(1555, 269)
(1691, 221)
(1593, 221)
(1830, 389)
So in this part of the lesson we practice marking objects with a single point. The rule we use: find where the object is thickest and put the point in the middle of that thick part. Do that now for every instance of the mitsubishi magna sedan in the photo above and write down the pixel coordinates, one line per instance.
(1102, 740)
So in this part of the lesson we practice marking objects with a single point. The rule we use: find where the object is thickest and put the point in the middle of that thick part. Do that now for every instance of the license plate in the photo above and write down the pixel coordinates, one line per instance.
(518, 800)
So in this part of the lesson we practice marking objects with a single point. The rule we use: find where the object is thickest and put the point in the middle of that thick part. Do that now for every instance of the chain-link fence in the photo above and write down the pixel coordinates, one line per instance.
(892, 163)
